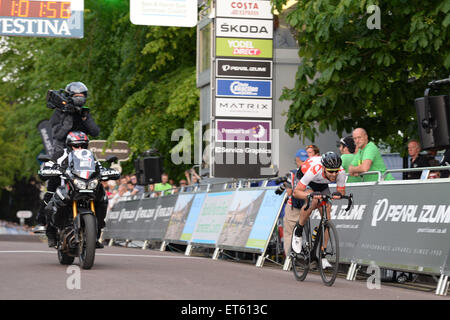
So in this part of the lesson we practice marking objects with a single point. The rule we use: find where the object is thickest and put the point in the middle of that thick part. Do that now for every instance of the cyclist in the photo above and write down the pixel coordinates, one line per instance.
(314, 176)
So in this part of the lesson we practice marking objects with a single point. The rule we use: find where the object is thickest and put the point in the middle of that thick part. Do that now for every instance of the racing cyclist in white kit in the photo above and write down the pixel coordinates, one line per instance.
(314, 176)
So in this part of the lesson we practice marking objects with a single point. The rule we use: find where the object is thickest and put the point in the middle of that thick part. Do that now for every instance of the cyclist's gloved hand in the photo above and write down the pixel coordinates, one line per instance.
(336, 195)
(316, 194)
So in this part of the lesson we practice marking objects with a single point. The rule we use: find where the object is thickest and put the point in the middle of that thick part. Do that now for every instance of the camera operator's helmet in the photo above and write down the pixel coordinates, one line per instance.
(74, 88)
(331, 160)
(77, 139)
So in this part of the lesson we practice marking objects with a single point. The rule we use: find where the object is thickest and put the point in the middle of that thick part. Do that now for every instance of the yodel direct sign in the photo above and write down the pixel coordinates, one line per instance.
(244, 48)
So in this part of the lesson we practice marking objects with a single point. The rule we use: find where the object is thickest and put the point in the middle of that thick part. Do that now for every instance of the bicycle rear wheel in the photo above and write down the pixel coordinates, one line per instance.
(329, 271)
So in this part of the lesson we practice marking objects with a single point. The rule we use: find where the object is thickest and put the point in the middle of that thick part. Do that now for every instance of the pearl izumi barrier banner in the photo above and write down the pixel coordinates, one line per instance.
(406, 226)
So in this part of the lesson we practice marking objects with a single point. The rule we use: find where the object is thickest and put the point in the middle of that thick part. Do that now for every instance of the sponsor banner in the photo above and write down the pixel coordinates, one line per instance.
(243, 108)
(265, 220)
(242, 160)
(244, 48)
(117, 221)
(118, 148)
(405, 231)
(252, 9)
(176, 13)
(243, 28)
(179, 216)
(240, 218)
(243, 131)
(58, 19)
(212, 217)
(244, 88)
(244, 68)
(191, 220)
(45, 130)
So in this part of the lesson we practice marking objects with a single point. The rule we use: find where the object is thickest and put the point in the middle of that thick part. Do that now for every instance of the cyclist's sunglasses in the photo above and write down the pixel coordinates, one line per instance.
(332, 170)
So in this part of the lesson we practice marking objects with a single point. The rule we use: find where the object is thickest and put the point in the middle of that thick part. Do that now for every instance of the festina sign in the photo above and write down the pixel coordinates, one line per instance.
(234, 68)
(252, 9)
(244, 28)
(243, 108)
(56, 19)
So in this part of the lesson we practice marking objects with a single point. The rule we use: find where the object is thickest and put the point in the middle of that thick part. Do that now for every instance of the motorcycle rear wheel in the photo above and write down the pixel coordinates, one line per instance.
(88, 238)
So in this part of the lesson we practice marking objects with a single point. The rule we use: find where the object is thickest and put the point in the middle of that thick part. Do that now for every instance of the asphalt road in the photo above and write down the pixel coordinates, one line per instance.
(30, 270)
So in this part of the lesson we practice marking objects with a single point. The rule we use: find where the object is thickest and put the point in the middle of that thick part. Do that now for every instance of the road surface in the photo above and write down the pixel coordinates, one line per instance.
(30, 270)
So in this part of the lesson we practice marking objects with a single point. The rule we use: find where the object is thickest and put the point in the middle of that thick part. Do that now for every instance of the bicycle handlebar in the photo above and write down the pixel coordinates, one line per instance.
(326, 197)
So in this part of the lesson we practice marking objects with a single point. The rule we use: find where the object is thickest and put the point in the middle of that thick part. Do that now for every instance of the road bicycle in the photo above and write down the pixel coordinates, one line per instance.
(313, 243)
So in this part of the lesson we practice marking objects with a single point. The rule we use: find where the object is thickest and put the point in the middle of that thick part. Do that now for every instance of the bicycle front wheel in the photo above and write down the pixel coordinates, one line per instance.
(300, 262)
(329, 261)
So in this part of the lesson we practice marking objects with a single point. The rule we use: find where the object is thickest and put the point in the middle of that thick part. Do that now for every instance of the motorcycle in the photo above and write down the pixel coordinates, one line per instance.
(76, 221)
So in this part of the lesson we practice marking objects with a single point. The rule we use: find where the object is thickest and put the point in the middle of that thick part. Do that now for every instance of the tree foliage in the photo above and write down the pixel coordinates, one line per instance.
(364, 72)
(141, 82)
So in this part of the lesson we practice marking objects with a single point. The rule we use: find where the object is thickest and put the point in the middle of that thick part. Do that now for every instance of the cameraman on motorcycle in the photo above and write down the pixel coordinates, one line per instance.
(71, 115)
(75, 140)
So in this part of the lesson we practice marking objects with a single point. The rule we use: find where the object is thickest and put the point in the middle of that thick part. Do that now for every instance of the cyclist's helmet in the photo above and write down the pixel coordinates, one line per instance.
(77, 139)
(331, 160)
(76, 87)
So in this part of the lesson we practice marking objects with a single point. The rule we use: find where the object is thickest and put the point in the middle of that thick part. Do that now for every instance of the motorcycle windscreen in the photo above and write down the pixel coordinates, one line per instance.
(82, 163)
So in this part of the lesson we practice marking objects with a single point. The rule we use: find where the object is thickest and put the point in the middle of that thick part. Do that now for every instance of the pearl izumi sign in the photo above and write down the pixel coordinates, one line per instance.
(242, 103)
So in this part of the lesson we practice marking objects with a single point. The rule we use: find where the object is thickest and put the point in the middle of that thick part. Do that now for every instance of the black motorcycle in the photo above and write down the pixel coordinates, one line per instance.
(76, 221)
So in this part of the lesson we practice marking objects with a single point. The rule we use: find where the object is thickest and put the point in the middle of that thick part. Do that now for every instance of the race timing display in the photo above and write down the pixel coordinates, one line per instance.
(38, 18)
(35, 9)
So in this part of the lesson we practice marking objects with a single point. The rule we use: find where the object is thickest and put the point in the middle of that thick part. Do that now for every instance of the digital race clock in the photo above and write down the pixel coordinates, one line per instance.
(35, 9)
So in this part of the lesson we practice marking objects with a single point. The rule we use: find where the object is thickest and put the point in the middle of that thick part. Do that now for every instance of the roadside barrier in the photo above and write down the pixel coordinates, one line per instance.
(400, 224)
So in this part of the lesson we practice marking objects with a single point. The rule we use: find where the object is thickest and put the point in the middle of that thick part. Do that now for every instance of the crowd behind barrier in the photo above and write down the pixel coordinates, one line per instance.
(397, 224)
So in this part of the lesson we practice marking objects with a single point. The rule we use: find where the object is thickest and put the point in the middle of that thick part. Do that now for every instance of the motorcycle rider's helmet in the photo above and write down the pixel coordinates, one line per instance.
(77, 139)
(74, 88)
(331, 160)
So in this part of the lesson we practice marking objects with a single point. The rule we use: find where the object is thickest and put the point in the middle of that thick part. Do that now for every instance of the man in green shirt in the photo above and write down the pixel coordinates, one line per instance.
(347, 148)
(367, 158)
(164, 185)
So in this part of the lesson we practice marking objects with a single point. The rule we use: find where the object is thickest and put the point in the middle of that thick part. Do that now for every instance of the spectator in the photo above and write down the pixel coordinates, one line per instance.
(434, 174)
(445, 162)
(113, 187)
(282, 37)
(122, 192)
(417, 160)
(131, 189)
(164, 185)
(347, 148)
(140, 189)
(367, 158)
(107, 189)
(292, 207)
(192, 177)
(313, 151)
(182, 183)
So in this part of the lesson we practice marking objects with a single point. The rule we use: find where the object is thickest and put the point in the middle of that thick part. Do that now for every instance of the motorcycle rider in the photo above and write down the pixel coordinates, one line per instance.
(75, 140)
(74, 116)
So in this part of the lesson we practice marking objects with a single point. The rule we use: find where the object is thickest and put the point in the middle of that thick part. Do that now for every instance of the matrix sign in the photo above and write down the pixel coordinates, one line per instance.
(61, 19)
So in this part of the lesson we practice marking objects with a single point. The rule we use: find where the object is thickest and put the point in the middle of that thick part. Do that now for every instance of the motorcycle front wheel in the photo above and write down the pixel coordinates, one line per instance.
(88, 238)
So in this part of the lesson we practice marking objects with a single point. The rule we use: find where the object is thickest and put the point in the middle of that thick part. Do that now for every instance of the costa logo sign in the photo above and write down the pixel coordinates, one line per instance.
(245, 108)
(244, 68)
(244, 28)
(254, 48)
(252, 9)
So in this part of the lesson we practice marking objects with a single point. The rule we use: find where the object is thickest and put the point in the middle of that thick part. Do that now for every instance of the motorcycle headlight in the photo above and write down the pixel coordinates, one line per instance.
(92, 184)
(81, 185)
